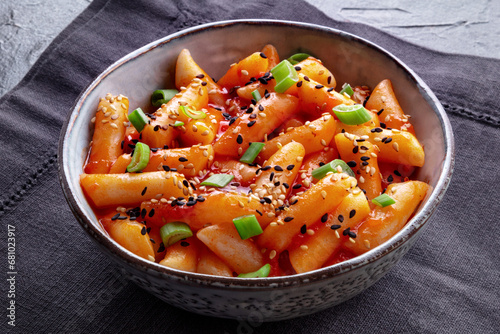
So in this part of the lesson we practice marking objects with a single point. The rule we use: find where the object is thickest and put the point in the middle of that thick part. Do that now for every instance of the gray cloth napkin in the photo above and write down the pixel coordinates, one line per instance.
(448, 283)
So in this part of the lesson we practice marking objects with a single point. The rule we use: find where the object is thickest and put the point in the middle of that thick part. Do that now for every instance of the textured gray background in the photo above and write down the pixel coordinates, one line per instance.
(469, 27)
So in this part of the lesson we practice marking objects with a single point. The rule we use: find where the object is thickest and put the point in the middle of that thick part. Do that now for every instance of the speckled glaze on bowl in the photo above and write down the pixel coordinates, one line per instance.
(214, 46)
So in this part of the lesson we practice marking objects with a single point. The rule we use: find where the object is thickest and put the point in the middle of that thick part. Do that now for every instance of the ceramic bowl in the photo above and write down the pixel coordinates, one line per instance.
(214, 46)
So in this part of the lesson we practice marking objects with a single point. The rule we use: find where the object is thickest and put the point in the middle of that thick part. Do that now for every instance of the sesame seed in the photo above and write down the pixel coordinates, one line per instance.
(310, 232)
(303, 229)
(244, 72)
(205, 133)
(367, 242)
(272, 254)
(319, 86)
(395, 146)
(335, 227)
(324, 218)
(352, 240)
(340, 218)
(352, 213)
(323, 194)
(288, 219)
(250, 124)
(262, 54)
(304, 247)
(144, 191)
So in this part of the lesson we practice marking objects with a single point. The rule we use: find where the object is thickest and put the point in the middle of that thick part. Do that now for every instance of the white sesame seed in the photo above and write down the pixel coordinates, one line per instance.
(205, 133)
(304, 247)
(92, 120)
(395, 146)
(244, 72)
(367, 243)
(310, 232)
(113, 125)
(272, 254)
(352, 240)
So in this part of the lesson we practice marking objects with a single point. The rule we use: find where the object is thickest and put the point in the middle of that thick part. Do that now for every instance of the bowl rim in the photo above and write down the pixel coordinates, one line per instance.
(120, 254)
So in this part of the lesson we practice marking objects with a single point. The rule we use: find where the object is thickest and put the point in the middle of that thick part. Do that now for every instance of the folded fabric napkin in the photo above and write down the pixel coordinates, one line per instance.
(448, 283)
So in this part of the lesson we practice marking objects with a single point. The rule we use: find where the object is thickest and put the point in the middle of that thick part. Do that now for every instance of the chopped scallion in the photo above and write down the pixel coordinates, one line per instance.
(256, 95)
(247, 226)
(332, 166)
(252, 152)
(285, 75)
(140, 158)
(297, 58)
(383, 200)
(218, 180)
(162, 96)
(262, 272)
(346, 88)
(178, 123)
(191, 113)
(172, 232)
(138, 119)
(352, 115)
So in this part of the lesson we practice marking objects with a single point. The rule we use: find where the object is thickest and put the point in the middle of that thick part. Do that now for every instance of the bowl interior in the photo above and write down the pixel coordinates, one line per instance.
(214, 47)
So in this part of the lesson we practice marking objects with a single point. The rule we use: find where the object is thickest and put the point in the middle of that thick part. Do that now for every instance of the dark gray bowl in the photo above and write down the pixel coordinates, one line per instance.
(214, 46)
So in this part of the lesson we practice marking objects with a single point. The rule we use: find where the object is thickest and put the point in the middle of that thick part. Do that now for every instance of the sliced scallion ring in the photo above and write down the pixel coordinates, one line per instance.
(352, 115)
(332, 166)
(262, 272)
(252, 152)
(346, 88)
(383, 200)
(218, 180)
(138, 119)
(140, 158)
(297, 58)
(162, 96)
(247, 226)
(285, 75)
(256, 95)
(191, 113)
(172, 232)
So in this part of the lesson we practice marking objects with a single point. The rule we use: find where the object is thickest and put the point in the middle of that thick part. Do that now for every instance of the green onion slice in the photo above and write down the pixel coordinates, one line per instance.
(172, 232)
(297, 58)
(138, 119)
(332, 166)
(140, 158)
(191, 113)
(262, 272)
(247, 226)
(285, 76)
(346, 88)
(218, 180)
(256, 95)
(252, 152)
(383, 200)
(352, 115)
(178, 123)
(162, 96)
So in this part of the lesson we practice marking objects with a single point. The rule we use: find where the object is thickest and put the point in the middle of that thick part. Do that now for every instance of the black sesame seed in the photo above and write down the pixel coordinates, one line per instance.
(355, 149)
(143, 213)
(144, 191)
(156, 128)
(321, 163)
(200, 76)
(299, 83)
(380, 111)
(290, 167)
(190, 203)
(390, 178)
(340, 218)
(324, 218)
(352, 213)
(329, 89)
(200, 199)
(365, 158)
(346, 231)
(298, 68)
(351, 234)
(352, 164)
(143, 230)
(182, 159)
(154, 149)
(184, 243)
(278, 168)
(148, 229)
(266, 168)
(115, 217)
(122, 143)
(165, 147)
(239, 139)
(365, 163)
(252, 116)
(232, 120)
(329, 80)
(335, 227)
(173, 169)
(131, 145)
(260, 213)
(261, 107)
(152, 240)
(250, 124)
(122, 218)
(319, 86)
(364, 147)
(276, 183)
(151, 213)
(360, 140)
(382, 125)
(185, 183)
(286, 185)
(268, 200)
(303, 229)
(288, 219)
(397, 173)
(253, 101)
(271, 176)
(263, 55)
(366, 100)
(297, 186)
(161, 248)
(388, 140)
(306, 78)
(294, 202)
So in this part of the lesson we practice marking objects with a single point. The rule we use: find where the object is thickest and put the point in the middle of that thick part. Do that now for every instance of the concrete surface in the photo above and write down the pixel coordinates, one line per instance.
(470, 27)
